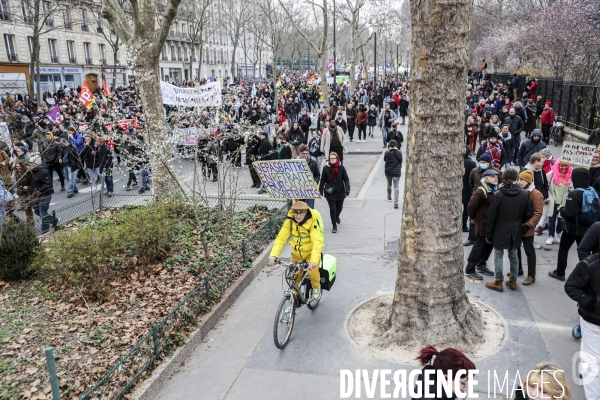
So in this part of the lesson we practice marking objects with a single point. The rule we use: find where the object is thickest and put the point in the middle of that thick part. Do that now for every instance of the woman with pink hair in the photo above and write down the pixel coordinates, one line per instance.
(560, 185)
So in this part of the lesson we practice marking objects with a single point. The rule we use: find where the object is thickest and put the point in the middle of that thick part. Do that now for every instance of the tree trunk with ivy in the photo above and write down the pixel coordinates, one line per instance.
(430, 302)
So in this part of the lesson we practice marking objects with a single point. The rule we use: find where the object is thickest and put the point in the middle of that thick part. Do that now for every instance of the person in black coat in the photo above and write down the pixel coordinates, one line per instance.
(574, 230)
(393, 170)
(467, 189)
(41, 191)
(595, 172)
(335, 186)
(583, 286)
(252, 145)
(530, 147)
(265, 153)
(105, 161)
(395, 134)
(510, 208)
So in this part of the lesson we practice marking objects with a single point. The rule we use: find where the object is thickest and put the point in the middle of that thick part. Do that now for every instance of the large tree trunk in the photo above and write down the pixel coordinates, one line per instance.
(430, 303)
(157, 140)
(324, 86)
(115, 64)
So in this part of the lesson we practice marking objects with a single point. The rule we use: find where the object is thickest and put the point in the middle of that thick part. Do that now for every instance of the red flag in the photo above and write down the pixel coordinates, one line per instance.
(105, 89)
(86, 98)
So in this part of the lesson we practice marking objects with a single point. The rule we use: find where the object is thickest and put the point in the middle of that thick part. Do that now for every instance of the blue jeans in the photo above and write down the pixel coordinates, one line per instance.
(93, 176)
(108, 180)
(514, 263)
(70, 175)
(145, 177)
(384, 133)
(40, 208)
(552, 222)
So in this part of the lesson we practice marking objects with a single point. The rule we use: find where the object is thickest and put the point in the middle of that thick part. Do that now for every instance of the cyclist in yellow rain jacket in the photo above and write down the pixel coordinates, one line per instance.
(305, 227)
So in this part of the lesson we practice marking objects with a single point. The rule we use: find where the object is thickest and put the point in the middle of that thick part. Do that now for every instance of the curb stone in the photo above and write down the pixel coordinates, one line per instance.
(163, 372)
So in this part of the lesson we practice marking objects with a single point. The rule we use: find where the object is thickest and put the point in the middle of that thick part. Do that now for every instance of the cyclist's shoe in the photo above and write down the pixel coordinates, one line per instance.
(316, 294)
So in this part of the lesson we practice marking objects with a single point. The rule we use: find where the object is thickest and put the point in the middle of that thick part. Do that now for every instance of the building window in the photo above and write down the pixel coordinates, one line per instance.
(164, 53)
(173, 53)
(71, 51)
(46, 6)
(52, 50)
(83, 17)
(4, 12)
(9, 41)
(101, 53)
(179, 54)
(99, 21)
(87, 52)
(185, 54)
(67, 17)
(27, 16)
(30, 44)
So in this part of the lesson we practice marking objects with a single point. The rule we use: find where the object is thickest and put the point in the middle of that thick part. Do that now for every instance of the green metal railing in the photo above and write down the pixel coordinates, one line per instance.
(162, 337)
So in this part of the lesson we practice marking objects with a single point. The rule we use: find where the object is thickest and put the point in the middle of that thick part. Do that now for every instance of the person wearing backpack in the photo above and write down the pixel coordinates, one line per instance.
(581, 210)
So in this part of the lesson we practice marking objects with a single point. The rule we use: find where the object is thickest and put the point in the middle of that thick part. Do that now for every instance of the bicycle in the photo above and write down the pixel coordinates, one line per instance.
(556, 132)
(286, 312)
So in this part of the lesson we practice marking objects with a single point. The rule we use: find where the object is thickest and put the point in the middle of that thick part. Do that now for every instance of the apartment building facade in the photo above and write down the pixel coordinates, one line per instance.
(78, 46)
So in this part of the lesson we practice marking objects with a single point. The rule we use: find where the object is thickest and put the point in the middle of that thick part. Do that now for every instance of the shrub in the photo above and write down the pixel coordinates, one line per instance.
(92, 257)
(18, 246)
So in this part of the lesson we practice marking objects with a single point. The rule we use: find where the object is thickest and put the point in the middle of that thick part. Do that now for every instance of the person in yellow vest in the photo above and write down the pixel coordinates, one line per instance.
(305, 226)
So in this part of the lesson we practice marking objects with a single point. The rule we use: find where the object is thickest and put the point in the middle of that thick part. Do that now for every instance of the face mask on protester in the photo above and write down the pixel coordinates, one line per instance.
(483, 165)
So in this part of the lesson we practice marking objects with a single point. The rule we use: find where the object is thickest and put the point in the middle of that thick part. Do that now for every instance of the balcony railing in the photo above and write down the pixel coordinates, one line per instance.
(99, 29)
(54, 59)
(88, 61)
(186, 59)
(84, 28)
(165, 58)
(73, 60)
(180, 58)
(173, 58)
(29, 19)
(68, 26)
(102, 61)
(12, 57)
(49, 22)
(195, 60)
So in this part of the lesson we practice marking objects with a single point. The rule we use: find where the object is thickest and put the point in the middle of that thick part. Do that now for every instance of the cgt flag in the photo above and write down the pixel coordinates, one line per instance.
(54, 115)
(105, 89)
(86, 98)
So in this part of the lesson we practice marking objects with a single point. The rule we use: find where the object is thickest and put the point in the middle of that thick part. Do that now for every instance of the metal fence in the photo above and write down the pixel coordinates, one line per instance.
(576, 104)
(165, 334)
(89, 204)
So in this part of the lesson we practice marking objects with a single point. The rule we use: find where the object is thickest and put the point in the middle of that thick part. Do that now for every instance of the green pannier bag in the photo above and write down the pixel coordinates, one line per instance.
(328, 271)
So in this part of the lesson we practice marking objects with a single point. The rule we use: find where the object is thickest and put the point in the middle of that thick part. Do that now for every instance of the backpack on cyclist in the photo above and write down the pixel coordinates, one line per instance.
(328, 271)
(590, 207)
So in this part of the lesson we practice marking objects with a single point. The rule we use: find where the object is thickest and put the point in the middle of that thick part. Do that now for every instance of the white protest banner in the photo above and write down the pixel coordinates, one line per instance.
(185, 136)
(208, 95)
(287, 179)
(577, 154)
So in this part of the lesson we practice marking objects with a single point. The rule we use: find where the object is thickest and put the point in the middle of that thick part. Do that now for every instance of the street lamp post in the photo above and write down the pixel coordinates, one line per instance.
(334, 55)
(375, 59)
(397, 66)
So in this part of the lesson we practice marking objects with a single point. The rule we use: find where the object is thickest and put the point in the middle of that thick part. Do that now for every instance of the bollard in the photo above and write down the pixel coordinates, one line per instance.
(52, 372)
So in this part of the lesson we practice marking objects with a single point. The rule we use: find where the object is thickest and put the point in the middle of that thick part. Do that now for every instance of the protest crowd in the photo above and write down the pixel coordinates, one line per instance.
(515, 188)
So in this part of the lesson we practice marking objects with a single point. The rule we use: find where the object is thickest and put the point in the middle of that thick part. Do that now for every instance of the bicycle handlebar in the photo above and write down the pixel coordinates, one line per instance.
(303, 266)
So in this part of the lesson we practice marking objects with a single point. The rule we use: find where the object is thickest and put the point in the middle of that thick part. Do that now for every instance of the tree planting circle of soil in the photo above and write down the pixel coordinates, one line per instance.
(362, 328)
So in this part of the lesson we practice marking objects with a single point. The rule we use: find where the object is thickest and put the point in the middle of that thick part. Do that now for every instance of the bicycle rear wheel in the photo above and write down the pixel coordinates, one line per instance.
(284, 323)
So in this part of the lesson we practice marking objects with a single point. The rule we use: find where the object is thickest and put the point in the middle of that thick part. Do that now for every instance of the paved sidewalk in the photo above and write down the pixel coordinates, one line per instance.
(238, 359)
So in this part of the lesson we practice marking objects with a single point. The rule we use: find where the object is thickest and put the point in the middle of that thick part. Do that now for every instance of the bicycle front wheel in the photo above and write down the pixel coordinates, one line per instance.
(284, 321)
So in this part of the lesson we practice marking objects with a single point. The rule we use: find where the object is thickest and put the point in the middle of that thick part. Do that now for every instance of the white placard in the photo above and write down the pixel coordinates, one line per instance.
(577, 154)
(208, 95)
